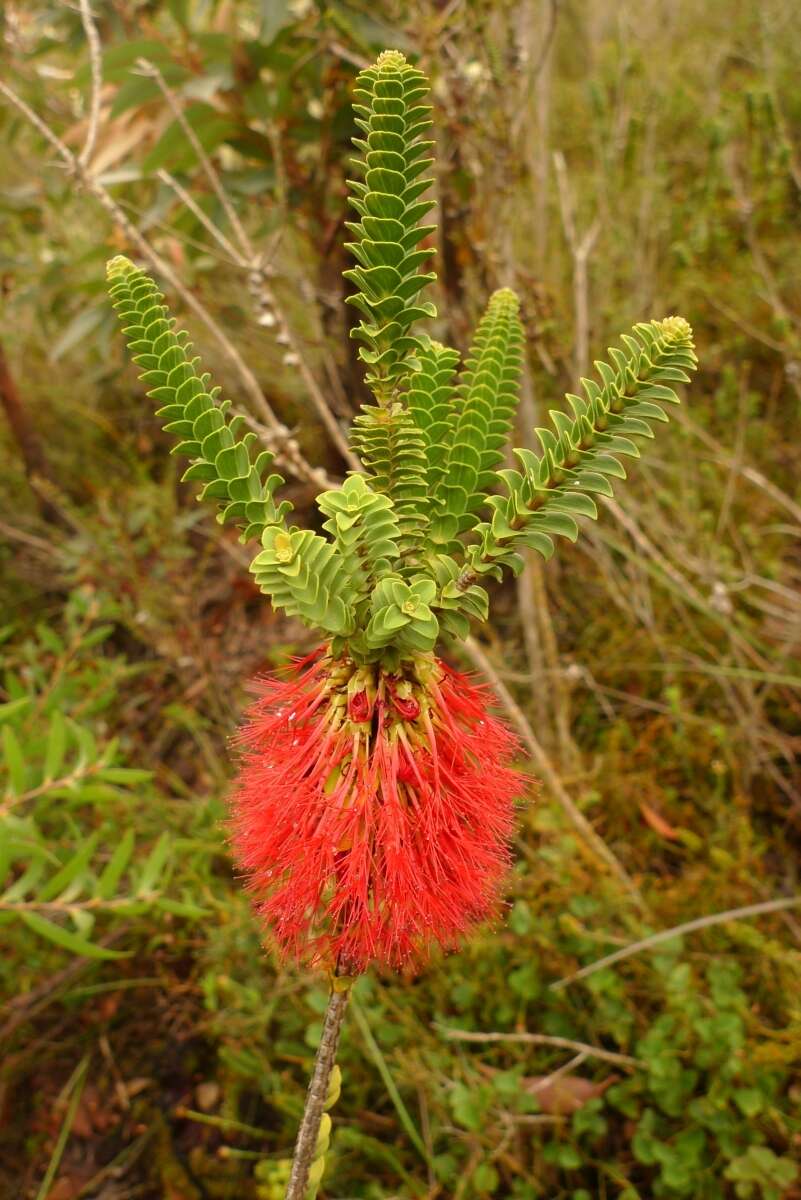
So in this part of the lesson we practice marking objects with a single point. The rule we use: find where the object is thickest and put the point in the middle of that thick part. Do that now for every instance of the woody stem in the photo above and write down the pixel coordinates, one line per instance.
(317, 1093)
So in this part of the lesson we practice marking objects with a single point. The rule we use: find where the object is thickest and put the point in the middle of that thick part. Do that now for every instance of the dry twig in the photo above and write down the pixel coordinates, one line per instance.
(545, 768)
(656, 939)
(542, 1039)
(248, 259)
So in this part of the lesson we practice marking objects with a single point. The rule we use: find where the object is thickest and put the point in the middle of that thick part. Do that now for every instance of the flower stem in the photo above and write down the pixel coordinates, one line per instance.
(318, 1090)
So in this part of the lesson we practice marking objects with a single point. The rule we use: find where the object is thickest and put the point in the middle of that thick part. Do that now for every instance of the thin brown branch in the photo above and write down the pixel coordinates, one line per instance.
(656, 939)
(581, 247)
(152, 72)
(545, 768)
(542, 1039)
(96, 65)
(265, 301)
(324, 1063)
(197, 212)
(286, 450)
(745, 470)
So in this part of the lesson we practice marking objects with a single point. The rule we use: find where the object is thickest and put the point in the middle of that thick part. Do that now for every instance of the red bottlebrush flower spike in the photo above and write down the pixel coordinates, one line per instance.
(373, 812)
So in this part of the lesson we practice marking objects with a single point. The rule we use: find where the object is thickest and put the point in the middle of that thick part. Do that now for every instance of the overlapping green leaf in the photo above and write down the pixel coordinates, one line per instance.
(391, 112)
(582, 453)
(365, 530)
(304, 574)
(430, 400)
(481, 419)
(221, 460)
(392, 450)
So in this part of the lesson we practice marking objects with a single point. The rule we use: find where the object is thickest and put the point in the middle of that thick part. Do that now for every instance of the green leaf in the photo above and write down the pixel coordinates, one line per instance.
(181, 908)
(69, 941)
(174, 150)
(240, 481)
(70, 871)
(579, 454)
(79, 329)
(14, 761)
(480, 418)
(12, 707)
(388, 279)
(126, 775)
(56, 745)
(154, 866)
(115, 867)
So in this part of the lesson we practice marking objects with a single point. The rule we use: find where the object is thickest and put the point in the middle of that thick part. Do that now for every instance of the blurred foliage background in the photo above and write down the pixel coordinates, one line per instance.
(613, 162)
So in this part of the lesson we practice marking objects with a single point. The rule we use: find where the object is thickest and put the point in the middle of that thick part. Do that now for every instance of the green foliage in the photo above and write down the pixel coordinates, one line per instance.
(581, 454)
(303, 573)
(366, 530)
(481, 418)
(430, 400)
(431, 448)
(209, 436)
(390, 112)
(391, 448)
(401, 614)
(66, 867)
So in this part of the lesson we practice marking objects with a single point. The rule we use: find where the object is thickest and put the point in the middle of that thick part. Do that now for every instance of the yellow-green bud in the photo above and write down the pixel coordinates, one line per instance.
(334, 1087)
(316, 1173)
(323, 1137)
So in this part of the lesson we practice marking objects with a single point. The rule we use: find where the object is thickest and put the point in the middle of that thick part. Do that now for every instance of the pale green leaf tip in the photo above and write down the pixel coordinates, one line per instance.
(119, 265)
(675, 329)
(391, 58)
(505, 297)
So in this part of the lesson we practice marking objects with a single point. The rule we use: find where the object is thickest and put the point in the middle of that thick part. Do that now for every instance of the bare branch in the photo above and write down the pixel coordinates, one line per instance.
(96, 64)
(285, 448)
(656, 939)
(541, 1039)
(264, 298)
(549, 774)
(197, 212)
(152, 72)
(581, 248)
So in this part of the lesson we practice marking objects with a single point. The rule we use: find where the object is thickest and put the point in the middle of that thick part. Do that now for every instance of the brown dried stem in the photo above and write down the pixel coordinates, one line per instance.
(665, 935)
(324, 1063)
(545, 768)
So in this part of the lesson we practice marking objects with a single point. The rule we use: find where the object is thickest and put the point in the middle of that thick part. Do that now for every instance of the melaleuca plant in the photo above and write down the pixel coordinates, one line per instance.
(373, 808)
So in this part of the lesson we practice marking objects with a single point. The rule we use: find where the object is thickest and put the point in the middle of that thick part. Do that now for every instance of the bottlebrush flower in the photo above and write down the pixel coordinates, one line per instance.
(373, 810)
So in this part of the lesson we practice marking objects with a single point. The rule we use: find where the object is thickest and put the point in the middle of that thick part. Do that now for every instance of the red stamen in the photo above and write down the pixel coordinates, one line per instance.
(369, 844)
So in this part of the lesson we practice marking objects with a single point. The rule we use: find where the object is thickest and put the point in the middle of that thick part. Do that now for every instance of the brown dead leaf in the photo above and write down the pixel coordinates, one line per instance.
(562, 1095)
(66, 1187)
(139, 1084)
(658, 822)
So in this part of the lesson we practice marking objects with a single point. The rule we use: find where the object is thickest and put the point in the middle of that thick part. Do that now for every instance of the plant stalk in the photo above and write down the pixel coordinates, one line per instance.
(318, 1090)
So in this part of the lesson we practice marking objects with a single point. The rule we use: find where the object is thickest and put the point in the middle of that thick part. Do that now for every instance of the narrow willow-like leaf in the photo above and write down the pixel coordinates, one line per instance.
(67, 940)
